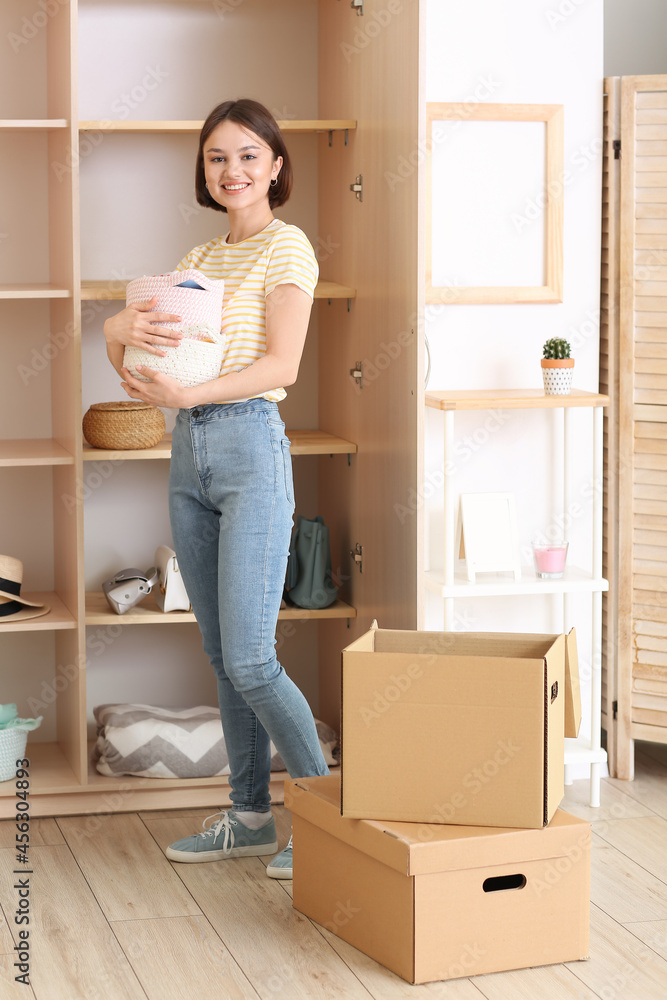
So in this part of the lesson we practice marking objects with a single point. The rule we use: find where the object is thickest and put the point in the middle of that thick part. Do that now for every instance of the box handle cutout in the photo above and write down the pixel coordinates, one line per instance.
(500, 882)
(554, 691)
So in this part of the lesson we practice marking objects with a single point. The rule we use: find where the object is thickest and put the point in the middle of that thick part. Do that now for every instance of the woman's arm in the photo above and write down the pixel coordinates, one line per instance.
(288, 310)
(133, 326)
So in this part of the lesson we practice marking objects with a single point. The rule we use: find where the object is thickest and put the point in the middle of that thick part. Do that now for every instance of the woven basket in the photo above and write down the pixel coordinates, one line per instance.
(191, 363)
(128, 424)
(12, 748)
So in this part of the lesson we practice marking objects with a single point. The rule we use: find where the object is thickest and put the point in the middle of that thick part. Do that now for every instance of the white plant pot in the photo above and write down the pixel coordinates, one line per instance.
(557, 376)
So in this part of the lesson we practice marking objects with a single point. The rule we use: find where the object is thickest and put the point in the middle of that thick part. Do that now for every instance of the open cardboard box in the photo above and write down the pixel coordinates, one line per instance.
(433, 902)
(457, 727)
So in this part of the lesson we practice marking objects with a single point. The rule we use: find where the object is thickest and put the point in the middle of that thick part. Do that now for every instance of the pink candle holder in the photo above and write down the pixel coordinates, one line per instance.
(550, 560)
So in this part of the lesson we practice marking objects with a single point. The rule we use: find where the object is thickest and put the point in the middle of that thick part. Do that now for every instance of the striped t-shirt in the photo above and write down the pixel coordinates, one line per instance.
(278, 255)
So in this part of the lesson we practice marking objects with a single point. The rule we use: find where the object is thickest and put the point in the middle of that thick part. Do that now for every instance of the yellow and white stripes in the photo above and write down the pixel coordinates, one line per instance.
(279, 254)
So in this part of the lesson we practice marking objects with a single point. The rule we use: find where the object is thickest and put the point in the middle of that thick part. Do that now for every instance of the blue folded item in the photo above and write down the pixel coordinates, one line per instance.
(190, 284)
(10, 720)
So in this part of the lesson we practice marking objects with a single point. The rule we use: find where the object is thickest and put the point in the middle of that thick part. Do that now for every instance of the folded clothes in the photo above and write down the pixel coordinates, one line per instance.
(156, 742)
(9, 719)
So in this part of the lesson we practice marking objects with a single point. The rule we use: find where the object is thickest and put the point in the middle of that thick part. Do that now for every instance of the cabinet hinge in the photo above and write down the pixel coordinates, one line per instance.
(357, 373)
(357, 5)
(614, 706)
(358, 187)
(617, 149)
(357, 554)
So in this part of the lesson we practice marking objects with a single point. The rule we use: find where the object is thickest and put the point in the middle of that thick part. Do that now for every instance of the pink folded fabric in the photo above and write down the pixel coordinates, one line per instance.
(200, 309)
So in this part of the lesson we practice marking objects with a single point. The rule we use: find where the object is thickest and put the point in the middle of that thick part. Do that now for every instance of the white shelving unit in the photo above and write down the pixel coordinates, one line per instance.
(452, 583)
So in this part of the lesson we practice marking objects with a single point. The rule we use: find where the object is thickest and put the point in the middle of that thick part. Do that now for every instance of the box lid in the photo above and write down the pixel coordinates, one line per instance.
(420, 848)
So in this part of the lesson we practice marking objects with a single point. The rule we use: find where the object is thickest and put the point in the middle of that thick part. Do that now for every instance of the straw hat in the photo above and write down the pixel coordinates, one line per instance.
(13, 607)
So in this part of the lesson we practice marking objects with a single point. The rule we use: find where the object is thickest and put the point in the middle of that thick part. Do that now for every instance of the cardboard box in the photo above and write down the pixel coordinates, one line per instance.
(441, 902)
(457, 727)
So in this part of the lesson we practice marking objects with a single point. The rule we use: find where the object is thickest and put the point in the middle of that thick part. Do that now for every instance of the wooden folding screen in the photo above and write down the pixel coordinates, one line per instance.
(634, 373)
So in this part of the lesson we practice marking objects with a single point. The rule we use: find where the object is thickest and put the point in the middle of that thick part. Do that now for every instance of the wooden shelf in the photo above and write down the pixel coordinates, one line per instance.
(33, 451)
(49, 771)
(319, 443)
(510, 399)
(160, 450)
(114, 291)
(303, 443)
(98, 612)
(32, 124)
(34, 291)
(332, 290)
(574, 580)
(181, 127)
(57, 618)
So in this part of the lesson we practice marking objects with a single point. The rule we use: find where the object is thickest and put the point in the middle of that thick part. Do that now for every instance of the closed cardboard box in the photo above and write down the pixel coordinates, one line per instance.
(457, 727)
(433, 902)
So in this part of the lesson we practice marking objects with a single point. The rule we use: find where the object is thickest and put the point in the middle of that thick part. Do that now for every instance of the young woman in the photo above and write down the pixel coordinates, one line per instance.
(231, 496)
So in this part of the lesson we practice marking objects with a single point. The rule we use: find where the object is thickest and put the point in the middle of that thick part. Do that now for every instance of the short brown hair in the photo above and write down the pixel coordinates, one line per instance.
(258, 119)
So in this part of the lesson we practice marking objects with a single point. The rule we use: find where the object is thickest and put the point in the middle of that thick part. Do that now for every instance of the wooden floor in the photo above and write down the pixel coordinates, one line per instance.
(112, 919)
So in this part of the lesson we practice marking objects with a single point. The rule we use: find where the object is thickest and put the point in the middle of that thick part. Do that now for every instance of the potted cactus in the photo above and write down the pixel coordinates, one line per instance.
(557, 367)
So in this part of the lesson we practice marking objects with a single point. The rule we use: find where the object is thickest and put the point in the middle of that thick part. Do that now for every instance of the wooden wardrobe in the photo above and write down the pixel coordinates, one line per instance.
(358, 69)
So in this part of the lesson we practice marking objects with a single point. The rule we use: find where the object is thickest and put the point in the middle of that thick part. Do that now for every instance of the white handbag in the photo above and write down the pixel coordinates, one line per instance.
(170, 593)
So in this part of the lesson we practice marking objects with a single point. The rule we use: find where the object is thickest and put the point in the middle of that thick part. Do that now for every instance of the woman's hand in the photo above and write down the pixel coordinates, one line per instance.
(134, 327)
(160, 391)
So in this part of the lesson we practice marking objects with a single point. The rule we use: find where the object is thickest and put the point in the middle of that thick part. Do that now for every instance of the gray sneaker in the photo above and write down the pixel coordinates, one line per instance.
(281, 866)
(226, 838)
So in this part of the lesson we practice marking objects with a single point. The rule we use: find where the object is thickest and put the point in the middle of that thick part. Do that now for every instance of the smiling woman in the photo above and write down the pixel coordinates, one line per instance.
(231, 495)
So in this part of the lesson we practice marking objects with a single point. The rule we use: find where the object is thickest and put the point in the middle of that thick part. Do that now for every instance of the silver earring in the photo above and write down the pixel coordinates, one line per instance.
(274, 182)
(206, 185)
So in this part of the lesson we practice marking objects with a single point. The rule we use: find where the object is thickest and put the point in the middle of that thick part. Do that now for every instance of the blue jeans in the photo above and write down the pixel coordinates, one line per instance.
(231, 503)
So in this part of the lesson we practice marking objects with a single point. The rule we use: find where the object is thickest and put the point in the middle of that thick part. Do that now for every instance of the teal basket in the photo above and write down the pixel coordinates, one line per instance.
(12, 748)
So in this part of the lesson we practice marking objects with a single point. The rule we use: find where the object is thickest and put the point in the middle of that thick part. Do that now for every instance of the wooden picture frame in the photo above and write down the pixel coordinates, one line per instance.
(551, 290)
(487, 532)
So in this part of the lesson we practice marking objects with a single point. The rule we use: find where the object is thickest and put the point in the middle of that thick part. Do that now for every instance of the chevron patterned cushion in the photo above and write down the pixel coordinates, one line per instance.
(174, 742)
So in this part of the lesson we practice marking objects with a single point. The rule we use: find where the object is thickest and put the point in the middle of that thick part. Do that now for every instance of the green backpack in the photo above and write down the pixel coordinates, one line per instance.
(308, 582)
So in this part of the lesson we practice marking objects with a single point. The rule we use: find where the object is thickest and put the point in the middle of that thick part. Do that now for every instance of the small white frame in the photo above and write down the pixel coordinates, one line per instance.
(487, 530)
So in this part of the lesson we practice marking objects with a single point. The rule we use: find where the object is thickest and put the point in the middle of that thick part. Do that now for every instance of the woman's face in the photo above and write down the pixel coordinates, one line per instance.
(238, 166)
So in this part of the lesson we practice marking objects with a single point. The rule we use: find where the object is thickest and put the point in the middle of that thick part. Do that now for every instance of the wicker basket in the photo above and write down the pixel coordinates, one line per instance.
(12, 748)
(191, 363)
(125, 425)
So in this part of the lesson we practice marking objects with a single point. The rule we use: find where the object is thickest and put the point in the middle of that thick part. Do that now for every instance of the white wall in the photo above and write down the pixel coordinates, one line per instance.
(526, 52)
